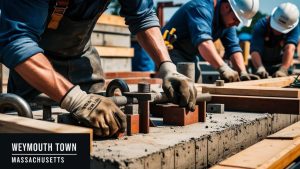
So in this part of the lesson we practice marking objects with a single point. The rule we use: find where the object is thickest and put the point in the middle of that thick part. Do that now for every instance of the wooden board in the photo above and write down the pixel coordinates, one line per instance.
(224, 167)
(112, 20)
(273, 82)
(291, 132)
(112, 40)
(138, 80)
(17, 124)
(266, 154)
(119, 30)
(258, 104)
(115, 51)
(114, 75)
(253, 91)
(116, 64)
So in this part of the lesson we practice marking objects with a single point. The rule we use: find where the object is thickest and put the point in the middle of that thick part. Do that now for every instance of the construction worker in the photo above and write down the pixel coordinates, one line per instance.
(46, 46)
(200, 22)
(274, 41)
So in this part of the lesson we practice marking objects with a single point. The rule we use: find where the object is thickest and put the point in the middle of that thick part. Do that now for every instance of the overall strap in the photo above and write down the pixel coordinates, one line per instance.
(58, 13)
(215, 3)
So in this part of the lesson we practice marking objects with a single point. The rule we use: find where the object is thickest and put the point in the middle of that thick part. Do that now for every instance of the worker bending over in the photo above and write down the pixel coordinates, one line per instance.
(46, 45)
(274, 41)
(200, 22)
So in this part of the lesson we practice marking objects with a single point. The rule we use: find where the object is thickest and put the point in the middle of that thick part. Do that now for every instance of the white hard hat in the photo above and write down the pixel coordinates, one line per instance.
(244, 10)
(285, 17)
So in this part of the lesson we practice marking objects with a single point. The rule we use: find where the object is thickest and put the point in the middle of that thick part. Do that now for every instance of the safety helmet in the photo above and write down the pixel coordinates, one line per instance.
(244, 10)
(285, 17)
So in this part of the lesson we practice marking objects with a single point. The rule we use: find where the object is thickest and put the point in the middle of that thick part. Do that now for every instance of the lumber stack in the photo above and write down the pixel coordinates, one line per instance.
(277, 151)
(264, 96)
(111, 39)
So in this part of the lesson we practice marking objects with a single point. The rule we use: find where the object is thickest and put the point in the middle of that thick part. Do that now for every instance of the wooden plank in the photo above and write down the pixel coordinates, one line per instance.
(285, 157)
(258, 104)
(105, 39)
(119, 30)
(273, 82)
(224, 167)
(138, 80)
(291, 132)
(115, 52)
(266, 154)
(112, 20)
(119, 64)
(252, 91)
(114, 75)
(17, 124)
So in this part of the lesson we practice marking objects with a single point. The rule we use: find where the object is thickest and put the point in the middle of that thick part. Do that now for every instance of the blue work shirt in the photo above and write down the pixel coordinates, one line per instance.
(263, 37)
(198, 21)
(22, 22)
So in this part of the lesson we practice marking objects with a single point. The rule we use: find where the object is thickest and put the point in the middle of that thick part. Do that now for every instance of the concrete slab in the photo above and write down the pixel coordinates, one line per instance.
(194, 146)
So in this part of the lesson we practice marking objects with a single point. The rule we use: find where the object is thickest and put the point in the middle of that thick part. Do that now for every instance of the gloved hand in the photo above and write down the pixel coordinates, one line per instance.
(281, 72)
(94, 111)
(245, 76)
(261, 72)
(227, 74)
(179, 88)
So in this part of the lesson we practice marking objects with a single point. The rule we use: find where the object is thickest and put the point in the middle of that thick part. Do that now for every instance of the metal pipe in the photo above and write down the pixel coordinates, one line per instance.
(16, 102)
(158, 98)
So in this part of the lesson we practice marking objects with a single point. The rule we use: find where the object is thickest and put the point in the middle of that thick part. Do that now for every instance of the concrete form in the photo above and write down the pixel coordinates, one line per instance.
(194, 146)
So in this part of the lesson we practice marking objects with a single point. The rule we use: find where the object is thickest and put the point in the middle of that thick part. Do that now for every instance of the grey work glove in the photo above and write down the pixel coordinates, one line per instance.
(179, 88)
(281, 72)
(227, 74)
(245, 76)
(94, 111)
(261, 72)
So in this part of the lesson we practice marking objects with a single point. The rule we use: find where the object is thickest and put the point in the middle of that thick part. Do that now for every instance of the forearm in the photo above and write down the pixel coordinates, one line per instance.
(39, 73)
(210, 54)
(151, 40)
(256, 59)
(288, 55)
(238, 61)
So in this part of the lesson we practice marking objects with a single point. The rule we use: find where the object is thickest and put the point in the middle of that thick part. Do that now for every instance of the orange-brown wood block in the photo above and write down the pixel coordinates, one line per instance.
(133, 126)
(175, 115)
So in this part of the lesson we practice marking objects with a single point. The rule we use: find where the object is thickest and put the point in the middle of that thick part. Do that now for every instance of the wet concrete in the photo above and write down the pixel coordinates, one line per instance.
(195, 146)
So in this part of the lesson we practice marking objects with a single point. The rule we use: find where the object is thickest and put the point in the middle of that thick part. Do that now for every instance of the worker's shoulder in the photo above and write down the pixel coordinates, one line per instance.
(200, 3)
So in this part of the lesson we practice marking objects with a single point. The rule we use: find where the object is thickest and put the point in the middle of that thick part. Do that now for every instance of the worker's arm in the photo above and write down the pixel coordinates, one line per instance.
(287, 59)
(208, 51)
(257, 63)
(178, 87)
(237, 60)
(151, 40)
(39, 73)
(142, 21)
(257, 47)
(288, 54)
(19, 50)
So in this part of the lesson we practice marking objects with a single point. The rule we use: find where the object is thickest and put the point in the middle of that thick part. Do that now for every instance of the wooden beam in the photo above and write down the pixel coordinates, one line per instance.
(112, 29)
(273, 82)
(112, 40)
(17, 124)
(115, 52)
(252, 91)
(258, 104)
(112, 20)
(137, 80)
(270, 154)
(225, 167)
(291, 132)
(114, 75)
